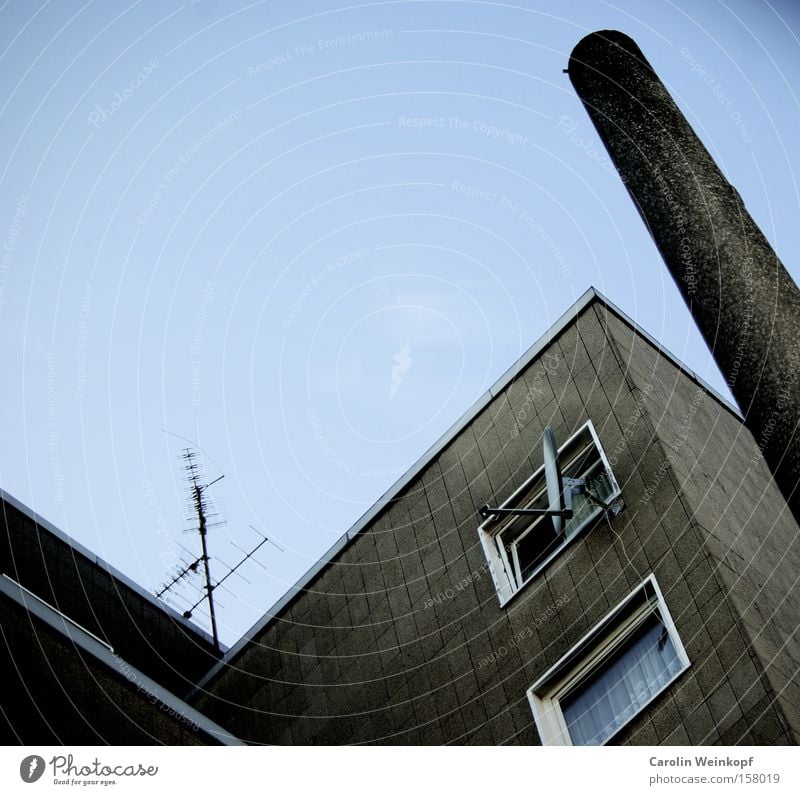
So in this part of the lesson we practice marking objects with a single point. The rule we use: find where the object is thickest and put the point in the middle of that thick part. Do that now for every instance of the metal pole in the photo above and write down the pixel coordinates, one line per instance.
(209, 588)
(741, 297)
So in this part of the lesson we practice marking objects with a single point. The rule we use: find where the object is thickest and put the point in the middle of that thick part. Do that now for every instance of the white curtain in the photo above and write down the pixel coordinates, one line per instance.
(622, 687)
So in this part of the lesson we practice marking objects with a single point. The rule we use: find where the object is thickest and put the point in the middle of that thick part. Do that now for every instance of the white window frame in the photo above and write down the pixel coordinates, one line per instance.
(506, 573)
(580, 662)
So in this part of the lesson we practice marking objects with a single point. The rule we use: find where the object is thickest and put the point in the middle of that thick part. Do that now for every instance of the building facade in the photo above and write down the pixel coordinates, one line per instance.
(664, 612)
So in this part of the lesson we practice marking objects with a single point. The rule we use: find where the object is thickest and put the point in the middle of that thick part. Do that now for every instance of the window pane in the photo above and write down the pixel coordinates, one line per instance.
(536, 546)
(611, 696)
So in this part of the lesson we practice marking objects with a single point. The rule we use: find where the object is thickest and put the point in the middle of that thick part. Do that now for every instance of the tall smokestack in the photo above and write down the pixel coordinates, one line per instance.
(740, 295)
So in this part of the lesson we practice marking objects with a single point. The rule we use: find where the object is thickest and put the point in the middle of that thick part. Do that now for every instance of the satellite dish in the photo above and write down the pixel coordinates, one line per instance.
(559, 502)
(555, 481)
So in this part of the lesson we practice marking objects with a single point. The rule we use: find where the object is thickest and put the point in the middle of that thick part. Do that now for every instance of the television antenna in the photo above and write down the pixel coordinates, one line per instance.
(203, 509)
(560, 491)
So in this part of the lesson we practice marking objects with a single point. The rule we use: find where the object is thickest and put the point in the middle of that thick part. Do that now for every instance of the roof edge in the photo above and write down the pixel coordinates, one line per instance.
(96, 560)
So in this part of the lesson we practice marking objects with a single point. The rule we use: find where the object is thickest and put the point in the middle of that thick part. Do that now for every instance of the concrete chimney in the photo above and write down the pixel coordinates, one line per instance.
(740, 295)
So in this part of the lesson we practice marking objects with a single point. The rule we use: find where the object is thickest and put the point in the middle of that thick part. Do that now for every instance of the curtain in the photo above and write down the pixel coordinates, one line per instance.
(615, 693)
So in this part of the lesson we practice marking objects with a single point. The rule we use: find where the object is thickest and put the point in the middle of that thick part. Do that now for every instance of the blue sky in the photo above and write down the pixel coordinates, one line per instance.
(307, 236)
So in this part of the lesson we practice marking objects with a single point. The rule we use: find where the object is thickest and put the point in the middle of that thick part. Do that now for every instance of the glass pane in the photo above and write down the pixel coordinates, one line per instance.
(611, 696)
(536, 546)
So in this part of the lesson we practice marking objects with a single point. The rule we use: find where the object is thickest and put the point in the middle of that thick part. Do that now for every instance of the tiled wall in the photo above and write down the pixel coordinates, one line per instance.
(54, 693)
(753, 551)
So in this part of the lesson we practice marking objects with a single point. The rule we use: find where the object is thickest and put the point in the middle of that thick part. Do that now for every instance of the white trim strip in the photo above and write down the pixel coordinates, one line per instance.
(55, 610)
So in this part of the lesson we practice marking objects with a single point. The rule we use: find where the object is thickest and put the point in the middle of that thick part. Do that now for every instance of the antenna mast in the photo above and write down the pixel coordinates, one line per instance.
(201, 506)
(204, 510)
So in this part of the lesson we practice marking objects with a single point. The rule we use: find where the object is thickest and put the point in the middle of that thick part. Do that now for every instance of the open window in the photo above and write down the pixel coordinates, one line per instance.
(519, 547)
(611, 675)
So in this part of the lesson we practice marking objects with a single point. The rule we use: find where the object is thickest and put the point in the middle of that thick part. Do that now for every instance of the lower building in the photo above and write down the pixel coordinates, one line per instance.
(88, 657)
